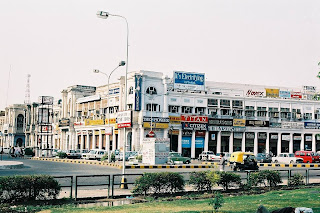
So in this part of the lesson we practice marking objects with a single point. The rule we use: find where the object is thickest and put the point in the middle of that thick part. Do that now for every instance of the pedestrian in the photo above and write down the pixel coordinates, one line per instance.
(222, 162)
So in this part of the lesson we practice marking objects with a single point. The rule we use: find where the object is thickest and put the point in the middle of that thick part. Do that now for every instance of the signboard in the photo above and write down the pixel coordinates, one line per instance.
(48, 100)
(156, 119)
(220, 122)
(308, 138)
(64, 122)
(297, 138)
(175, 119)
(285, 137)
(157, 122)
(108, 130)
(189, 81)
(112, 121)
(272, 93)
(274, 136)
(292, 125)
(311, 125)
(274, 125)
(250, 135)
(255, 93)
(156, 125)
(311, 89)
(186, 133)
(237, 135)
(226, 128)
(155, 150)
(194, 126)
(45, 128)
(284, 94)
(79, 123)
(124, 119)
(194, 118)
(199, 142)
(186, 142)
(257, 123)
(239, 122)
(114, 91)
(89, 122)
(137, 93)
(262, 135)
(297, 95)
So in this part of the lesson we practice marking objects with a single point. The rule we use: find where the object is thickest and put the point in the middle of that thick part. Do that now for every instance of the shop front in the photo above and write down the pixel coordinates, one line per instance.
(308, 142)
(317, 142)
(273, 143)
(212, 142)
(285, 139)
(262, 140)
(296, 142)
(186, 143)
(249, 146)
(237, 141)
(199, 142)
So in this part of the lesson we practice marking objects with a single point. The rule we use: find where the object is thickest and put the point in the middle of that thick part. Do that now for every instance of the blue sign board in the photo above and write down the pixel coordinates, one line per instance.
(186, 142)
(311, 125)
(284, 94)
(199, 142)
(189, 81)
(137, 94)
(114, 91)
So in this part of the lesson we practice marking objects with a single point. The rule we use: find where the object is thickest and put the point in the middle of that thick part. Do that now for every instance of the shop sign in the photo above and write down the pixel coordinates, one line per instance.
(285, 137)
(311, 125)
(156, 125)
(257, 123)
(297, 95)
(186, 133)
(220, 122)
(226, 134)
(309, 88)
(199, 142)
(297, 138)
(213, 137)
(137, 94)
(237, 135)
(186, 142)
(226, 128)
(189, 81)
(255, 93)
(45, 128)
(116, 131)
(112, 121)
(108, 130)
(64, 122)
(156, 119)
(194, 126)
(114, 91)
(194, 118)
(89, 122)
(262, 135)
(80, 123)
(174, 132)
(274, 136)
(175, 119)
(284, 94)
(274, 125)
(239, 122)
(308, 138)
(292, 125)
(124, 119)
(200, 133)
(272, 93)
(250, 135)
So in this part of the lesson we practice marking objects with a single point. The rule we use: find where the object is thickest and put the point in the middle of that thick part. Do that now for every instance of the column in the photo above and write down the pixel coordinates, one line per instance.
(279, 143)
(291, 143)
(313, 142)
(218, 142)
(302, 142)
(243, 142)
(165, 133)
(268, 142)
(255, 143)
(180, 141)
(231, 143)
(193, 145)
(141, 135)
(81, 140)
(93, 145)
(87, 142)
(206, 141)
(107, 142)
(100, 139)
(113, 140)
(134, 139)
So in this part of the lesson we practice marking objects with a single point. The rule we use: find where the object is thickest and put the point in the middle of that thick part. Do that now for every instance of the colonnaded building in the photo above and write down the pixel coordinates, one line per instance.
(196, 115)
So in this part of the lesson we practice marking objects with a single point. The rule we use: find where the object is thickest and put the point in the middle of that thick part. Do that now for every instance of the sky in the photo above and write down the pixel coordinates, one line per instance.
(60, 42)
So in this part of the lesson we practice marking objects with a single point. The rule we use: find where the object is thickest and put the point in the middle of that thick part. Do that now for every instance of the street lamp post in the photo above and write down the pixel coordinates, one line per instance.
(105, 15)
(122, 63)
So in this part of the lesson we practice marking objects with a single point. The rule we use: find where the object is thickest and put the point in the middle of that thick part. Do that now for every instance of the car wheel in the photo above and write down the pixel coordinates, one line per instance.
(187, 162)
(291, 161)
(276, 161)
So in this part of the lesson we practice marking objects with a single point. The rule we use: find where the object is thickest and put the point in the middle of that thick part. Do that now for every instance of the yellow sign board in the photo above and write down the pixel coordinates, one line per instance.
(89, 122)
(112, 120)
(175, 119)
(239, 122)
(156, 125)
(272, 93)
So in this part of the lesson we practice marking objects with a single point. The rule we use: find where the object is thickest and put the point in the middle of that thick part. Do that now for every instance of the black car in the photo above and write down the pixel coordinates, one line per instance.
(263, 158)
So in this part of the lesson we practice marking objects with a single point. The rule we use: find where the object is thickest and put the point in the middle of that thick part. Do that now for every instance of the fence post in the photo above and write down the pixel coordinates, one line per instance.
(108, 185)
(307, 176)
(289, 176)
(71, 188)
(76, 189)
(112, 186)
(248, 177)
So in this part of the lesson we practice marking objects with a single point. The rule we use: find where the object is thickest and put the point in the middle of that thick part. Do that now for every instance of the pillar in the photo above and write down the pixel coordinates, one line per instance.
(81, 140)
(87, 141)
(100, 139)
(206, 141)
(243, 142)
(193, 145)
(255, 143)
(291, 143)
(93, 145)
(231, 143)
(218, 142)
(313, 142)
(302, 142)
(113, 140)
(180, 141)
(268, 142)
(279, 143)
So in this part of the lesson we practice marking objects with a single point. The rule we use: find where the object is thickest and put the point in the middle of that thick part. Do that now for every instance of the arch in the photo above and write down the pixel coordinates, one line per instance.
(20, 121)
(151, 90)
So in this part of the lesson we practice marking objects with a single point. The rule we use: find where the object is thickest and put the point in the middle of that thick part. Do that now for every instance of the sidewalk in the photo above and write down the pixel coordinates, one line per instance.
(11, 165)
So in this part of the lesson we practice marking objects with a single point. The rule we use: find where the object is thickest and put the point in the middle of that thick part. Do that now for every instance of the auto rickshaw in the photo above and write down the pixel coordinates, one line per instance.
(243, 161)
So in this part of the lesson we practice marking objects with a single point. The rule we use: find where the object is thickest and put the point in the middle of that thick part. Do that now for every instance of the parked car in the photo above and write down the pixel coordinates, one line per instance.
(263, 158)
(175, 157)
(243, 161)
(82, 151)
(5, 150)
(73, 154)
(91, 155)
(55, 152)
(128, 154)
(286, 158)
(308, 156)
(217, 157)
(99, 154)
(206, 155)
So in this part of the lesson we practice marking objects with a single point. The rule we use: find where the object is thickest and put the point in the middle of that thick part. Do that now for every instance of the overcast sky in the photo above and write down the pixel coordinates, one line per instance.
(60, 42)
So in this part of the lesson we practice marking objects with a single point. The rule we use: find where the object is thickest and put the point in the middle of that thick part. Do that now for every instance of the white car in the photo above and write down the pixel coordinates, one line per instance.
(286, 158)
(206, 155)
(93, 154)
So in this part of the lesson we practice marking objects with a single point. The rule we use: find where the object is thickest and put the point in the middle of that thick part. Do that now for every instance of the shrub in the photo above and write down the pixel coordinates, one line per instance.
(105, 157)
(62, 154)
(273, 178)
(200, 181)
(28, 151)
(229, 179)
(256, 178)
(217, 201)
(156, 183)
(26, 188)
(296, 180)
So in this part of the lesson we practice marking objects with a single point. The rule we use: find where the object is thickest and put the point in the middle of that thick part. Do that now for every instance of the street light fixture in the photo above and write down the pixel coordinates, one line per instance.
(122, 63)
(105, 15)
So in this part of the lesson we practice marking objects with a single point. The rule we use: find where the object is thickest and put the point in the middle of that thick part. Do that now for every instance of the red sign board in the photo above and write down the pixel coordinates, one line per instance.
(194, 119)
(124, 125)
(296, 95)
(151, 134)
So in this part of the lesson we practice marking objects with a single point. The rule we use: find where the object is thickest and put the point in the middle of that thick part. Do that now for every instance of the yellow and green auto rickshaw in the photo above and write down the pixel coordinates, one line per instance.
(243, 161)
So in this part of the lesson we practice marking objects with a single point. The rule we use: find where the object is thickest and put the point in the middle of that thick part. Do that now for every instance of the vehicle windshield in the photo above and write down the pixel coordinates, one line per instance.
(92, 152)
(175, 154)
(291, 155)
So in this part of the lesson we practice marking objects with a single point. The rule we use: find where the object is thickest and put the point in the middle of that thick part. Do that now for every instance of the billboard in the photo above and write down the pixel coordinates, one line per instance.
(272, 93)
(124, 119)
(189, 81)
(48, 100)
(284, 94)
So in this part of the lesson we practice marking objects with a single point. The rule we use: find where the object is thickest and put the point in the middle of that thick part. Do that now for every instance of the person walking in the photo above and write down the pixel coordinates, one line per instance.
(222, 162)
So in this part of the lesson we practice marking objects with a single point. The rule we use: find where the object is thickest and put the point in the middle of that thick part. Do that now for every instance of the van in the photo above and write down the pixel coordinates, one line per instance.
(307, 156)
(243, 161)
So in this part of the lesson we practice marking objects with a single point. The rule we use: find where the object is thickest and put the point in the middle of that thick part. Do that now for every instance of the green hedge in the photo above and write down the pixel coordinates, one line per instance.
(29, 187)
(156, 183)
(266, 177)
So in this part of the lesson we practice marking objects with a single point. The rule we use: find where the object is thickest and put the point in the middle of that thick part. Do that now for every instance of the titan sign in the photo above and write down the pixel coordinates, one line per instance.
(194, 119)
(189, 81)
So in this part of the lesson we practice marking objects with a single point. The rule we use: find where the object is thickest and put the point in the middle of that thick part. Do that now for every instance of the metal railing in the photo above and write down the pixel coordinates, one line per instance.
(92, 182)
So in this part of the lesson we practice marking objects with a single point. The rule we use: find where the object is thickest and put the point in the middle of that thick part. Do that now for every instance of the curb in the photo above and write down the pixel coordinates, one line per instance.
(11, 165)
(305, 165)
(169, 167)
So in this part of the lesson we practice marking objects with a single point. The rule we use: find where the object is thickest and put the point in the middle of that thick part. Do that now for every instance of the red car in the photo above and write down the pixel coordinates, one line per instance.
(308, 156)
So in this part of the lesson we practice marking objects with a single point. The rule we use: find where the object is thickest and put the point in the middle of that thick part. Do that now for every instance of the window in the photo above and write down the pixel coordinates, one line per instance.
(307, 116)
(186, 109)
(237, 112)
(151, 91)
(200, 110)
(225, 111)
(174, 109)
(262, 113)
(130, 90)
(250, 108)
(213, 112)
(152, 107)
(20, 119)
(249, 113)
(212, 102)
(237, 103)
(224, 103)
(129, 106)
